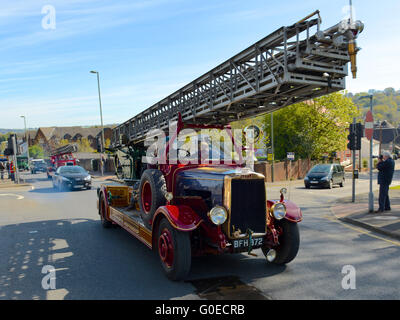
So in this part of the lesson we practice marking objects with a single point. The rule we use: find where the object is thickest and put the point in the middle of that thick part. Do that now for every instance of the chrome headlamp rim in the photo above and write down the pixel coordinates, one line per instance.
(214, 212)
(274, 212)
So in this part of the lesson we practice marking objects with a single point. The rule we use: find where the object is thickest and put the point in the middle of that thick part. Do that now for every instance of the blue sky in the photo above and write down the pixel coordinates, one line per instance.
(146, 49)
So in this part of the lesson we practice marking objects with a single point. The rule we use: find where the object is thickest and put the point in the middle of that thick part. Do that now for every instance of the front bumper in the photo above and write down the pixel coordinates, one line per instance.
(77, 184)
(316, 183)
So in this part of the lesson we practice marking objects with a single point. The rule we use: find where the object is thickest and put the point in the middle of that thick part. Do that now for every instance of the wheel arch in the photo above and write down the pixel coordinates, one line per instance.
(182, 218)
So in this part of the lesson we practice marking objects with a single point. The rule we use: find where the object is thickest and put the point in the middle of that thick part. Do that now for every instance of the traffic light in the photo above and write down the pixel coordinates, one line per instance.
(10, 147)
(355, 135)
(359, 134)
(351, 145)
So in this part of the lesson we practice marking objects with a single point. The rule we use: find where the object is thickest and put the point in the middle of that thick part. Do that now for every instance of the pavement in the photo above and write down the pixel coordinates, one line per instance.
(357, 213)
(7, 183)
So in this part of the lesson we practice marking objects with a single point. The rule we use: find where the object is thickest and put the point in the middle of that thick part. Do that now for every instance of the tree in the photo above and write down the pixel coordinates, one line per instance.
(312, 128)
(84, 146)
(36, 151)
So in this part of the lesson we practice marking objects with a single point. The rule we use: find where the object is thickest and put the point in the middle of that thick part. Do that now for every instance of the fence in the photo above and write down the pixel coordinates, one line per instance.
(285, 170)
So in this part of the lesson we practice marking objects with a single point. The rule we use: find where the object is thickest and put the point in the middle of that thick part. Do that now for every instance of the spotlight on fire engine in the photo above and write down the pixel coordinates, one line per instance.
(218, 215)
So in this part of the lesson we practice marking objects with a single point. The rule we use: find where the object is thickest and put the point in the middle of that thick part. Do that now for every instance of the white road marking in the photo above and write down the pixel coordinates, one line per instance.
(19, 197)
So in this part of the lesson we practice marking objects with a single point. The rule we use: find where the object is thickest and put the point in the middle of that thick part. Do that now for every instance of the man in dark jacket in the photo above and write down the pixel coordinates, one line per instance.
(385, 166)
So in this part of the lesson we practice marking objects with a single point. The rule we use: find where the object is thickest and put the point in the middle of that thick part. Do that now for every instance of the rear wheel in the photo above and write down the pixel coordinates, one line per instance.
(289, 242)
(102, 210)
(174, 251)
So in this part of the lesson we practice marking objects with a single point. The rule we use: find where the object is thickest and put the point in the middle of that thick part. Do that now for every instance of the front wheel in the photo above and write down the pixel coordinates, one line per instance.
(174, 251)
(289, 242)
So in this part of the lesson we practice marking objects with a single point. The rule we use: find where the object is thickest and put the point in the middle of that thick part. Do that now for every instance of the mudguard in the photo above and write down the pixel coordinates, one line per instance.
(181, 217)
(293, 212)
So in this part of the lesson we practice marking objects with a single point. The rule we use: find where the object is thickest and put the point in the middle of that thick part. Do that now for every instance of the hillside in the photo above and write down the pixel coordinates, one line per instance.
(386, 104)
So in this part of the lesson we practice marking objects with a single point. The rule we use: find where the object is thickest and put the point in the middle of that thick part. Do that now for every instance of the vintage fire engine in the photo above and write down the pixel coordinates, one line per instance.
(62, 156)
(183, 210)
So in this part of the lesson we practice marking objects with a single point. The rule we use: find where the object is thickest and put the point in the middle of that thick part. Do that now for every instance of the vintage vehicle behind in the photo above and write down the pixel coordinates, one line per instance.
(217, 206)
(62, 156)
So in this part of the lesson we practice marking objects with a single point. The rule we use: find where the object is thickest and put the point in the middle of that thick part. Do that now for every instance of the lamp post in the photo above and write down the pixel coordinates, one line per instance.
(26, 137)
(101, 118)
(370, 194)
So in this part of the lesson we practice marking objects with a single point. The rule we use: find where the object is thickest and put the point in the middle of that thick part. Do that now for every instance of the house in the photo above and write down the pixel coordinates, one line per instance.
(387, 135)
(50, 137)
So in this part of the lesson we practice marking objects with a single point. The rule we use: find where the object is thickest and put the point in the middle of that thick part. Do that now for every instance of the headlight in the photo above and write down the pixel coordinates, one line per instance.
(65, 179)
(218, 215)
(278, 210)
(306, 178)
(325, 178)
(88, 178)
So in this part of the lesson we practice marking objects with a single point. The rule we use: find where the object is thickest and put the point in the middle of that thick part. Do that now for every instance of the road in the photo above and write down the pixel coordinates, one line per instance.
(39, 227)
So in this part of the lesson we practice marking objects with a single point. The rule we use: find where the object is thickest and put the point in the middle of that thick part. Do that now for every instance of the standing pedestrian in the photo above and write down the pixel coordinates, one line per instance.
(2, 168)
(385, 166)
(12, 170)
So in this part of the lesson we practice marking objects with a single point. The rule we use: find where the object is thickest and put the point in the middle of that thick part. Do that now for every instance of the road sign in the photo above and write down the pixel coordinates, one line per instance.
(369, 125)
(290, 155)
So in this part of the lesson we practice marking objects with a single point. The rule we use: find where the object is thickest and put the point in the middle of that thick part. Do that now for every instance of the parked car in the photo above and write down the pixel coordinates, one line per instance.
(71, 177)
(38, 165)
(325, 175)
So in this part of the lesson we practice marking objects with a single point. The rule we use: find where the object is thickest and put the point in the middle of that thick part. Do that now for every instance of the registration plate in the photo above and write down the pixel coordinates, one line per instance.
(245, 243)
(314, 181)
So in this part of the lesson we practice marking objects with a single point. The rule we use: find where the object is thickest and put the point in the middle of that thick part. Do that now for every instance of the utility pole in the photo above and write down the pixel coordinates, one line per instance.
(353, 191)
(272, 146)
(369, 125)
(14, 142)
(26, 138)
(102, 126)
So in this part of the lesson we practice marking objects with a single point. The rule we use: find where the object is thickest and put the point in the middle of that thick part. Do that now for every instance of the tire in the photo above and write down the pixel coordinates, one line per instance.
(289, 242)
(341, 184)
(177, 266)
(307, 186)
(151, 194)
(104, 222)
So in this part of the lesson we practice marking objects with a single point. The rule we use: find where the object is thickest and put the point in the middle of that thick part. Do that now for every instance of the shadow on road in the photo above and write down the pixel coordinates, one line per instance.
(96, 263)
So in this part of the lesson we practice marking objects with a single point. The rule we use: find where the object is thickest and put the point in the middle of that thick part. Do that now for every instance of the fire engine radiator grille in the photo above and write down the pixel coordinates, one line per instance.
(248, 205)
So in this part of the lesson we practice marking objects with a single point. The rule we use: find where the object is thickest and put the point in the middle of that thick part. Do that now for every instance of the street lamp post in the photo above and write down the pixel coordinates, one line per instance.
(370, 194)
(102, 126)
(26, 137)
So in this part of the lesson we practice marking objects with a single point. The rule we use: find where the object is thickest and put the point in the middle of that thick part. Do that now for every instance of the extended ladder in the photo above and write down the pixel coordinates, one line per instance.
(290, 65)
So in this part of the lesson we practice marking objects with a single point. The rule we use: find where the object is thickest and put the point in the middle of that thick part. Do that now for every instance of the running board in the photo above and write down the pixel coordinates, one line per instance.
(133, 223)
